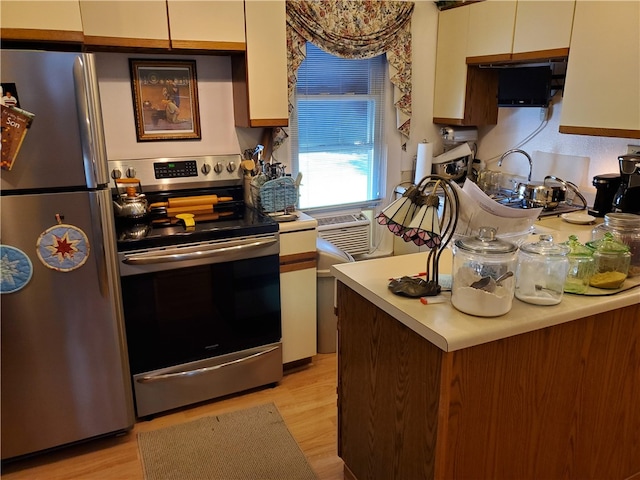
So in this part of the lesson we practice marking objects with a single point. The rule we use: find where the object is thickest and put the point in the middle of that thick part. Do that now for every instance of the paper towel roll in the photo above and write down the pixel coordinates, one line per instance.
(424, 161)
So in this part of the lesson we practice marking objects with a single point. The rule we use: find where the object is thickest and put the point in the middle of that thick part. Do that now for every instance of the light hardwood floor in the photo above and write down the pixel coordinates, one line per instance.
(306, 398)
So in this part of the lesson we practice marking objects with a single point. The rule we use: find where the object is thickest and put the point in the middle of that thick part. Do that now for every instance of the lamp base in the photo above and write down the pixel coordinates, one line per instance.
(414, 287)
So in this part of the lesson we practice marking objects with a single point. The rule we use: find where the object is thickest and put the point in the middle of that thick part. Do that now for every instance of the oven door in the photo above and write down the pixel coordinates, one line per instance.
(187, 303)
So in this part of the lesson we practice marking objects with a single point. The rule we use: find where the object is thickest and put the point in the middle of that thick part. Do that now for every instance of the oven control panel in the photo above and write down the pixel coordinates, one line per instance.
(179, 172)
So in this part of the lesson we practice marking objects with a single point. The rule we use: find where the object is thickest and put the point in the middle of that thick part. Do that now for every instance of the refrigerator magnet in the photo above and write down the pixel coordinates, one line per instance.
(63, 248)
(15, 269)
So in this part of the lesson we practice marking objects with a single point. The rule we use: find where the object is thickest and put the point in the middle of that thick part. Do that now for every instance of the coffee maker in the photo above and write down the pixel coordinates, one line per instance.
(627, 198)
(607, 186)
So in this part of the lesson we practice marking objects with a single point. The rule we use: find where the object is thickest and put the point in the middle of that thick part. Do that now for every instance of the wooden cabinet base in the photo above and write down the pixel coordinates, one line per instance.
(561, 402)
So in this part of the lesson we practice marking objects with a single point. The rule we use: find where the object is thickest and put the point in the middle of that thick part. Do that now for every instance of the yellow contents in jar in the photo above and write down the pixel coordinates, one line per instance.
(607, 279)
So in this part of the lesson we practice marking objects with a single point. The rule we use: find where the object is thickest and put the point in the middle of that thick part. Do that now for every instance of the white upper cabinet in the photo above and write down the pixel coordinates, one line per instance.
(543, 25)
(491, 25)
(266, 65)
(602, 86)
(464, 94)
(125, 23)
(41, 20)
(216, 25)
(451, 67)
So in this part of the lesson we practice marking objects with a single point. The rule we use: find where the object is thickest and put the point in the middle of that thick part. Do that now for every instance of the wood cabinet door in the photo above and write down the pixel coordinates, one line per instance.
(602, 86)
(543, 25)
(491, 25)
(57, 20)
(125, 23)
(213, 25)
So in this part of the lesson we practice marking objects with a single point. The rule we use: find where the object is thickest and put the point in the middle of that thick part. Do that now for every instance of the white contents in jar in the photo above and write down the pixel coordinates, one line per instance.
(540, 298)
(529, 292)
(481, 303)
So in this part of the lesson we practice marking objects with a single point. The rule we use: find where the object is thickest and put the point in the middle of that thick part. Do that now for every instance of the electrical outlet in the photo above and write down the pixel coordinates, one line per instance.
(633, 149)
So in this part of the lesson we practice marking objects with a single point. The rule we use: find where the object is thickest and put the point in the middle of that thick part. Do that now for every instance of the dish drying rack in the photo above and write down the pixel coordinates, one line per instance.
(275, 197)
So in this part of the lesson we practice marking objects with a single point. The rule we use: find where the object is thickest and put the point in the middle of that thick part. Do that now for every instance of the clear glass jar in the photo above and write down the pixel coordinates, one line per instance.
(483, 274)
(541, 271)
(581, 266)
(625, 227)
(612, 259)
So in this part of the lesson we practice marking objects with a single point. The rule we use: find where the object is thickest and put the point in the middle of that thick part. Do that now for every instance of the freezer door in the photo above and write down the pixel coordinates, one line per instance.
(65, 374)
(64, 147)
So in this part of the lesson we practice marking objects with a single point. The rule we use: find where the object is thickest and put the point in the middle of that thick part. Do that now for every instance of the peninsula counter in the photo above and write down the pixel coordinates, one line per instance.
(425, 391)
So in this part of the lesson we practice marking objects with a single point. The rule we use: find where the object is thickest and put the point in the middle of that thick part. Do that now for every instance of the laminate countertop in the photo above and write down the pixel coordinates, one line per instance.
(450, 329)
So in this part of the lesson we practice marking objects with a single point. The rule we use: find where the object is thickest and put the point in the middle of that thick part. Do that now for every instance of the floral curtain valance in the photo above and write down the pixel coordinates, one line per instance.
(355, 29)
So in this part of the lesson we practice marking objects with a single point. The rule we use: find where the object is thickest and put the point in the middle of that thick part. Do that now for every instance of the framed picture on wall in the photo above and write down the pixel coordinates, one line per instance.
(165, 99)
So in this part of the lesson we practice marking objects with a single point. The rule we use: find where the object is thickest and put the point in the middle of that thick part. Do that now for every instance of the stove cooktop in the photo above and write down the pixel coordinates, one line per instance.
(140, 235)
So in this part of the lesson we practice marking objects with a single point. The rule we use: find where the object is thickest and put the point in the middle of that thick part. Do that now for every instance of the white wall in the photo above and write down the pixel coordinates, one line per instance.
(515, 124)
(218, 132)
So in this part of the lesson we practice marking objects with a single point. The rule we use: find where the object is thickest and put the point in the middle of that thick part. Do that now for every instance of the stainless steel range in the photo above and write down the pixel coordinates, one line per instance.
(200, 281)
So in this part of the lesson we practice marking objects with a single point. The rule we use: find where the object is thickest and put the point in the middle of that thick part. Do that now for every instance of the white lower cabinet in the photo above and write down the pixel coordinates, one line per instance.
(298, 288)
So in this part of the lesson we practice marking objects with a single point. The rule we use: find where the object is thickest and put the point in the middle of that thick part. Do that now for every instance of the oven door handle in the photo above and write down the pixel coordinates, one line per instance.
(177, 256)
(204, 370)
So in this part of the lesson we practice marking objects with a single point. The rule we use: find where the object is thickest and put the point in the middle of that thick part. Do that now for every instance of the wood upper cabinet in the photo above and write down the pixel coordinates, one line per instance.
(542, 26)
(491, 25)
(260, 80)
(51, 20)
(208, 25)
(135, 24)
(463, 95)
(602, 86)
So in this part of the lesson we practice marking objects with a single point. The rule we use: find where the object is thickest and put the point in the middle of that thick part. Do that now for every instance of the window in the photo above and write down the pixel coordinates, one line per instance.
(336, 130)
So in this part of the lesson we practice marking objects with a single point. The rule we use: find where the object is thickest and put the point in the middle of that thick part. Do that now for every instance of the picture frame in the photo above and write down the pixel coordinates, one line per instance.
(165, 99)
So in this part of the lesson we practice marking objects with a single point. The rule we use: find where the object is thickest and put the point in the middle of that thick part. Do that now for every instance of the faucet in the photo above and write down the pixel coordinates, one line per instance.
(516, 150)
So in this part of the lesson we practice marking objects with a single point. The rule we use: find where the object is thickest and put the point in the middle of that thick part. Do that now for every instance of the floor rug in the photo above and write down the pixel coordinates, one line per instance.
(251, 444)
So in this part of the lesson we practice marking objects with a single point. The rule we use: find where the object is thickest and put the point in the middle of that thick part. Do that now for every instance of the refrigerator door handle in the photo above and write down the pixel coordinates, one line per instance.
(94, 151)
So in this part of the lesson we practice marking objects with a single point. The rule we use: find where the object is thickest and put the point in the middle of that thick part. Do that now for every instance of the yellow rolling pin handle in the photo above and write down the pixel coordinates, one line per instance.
(187, 218)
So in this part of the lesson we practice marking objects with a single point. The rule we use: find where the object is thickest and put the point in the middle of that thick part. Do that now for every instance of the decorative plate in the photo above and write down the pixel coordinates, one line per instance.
(63, 248)
(15, 269)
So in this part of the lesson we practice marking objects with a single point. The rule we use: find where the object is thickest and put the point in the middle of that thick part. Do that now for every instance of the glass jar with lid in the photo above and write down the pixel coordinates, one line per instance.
(541, 271)
(612, 259)
(581, 266)
(625, 227)
(483, 274)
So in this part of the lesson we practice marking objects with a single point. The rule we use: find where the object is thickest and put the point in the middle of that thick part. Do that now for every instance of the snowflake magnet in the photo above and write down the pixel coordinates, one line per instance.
(63, 248)
(15, 269)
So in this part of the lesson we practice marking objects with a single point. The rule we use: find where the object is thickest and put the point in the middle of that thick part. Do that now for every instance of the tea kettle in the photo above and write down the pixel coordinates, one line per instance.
(132, 204)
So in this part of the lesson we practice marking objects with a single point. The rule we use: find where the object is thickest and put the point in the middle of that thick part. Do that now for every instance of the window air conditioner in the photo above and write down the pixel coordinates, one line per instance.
(349, 232)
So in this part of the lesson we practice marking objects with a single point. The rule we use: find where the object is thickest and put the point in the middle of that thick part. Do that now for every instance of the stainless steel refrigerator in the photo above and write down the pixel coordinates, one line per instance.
(65, 375)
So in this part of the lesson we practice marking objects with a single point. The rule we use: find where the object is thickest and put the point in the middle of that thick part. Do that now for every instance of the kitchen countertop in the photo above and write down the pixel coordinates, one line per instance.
(303, 222)
(450, 329)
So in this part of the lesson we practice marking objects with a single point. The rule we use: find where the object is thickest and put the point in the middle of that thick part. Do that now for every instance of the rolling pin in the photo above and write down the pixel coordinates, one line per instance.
(195, 200)
(206, 217)
(195, 209)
